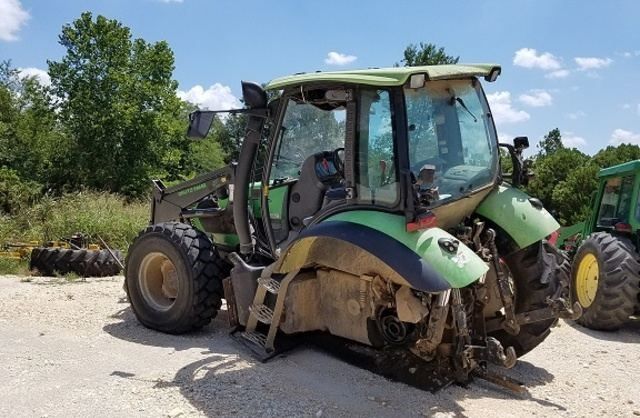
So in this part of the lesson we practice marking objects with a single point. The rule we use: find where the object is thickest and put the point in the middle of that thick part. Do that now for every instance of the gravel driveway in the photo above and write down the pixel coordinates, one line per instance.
(75, 349)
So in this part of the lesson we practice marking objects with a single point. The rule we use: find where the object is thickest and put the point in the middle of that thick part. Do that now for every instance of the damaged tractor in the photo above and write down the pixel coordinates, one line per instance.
(367, 212)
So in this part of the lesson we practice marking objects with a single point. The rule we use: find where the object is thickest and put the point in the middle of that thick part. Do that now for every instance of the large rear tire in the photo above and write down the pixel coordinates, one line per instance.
(538, 271)
(605, 281)
(173, 276)
(84, 263)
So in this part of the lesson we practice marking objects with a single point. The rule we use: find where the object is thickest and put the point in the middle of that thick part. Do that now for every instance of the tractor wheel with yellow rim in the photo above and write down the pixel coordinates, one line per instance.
(605, 281)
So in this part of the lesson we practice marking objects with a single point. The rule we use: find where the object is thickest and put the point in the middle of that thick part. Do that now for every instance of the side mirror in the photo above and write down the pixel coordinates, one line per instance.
(200, 123)
(516, 177)
(521, 143)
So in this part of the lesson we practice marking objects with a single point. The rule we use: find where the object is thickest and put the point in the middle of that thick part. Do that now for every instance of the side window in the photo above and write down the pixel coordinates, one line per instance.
(616, 201)
(376, 178)
(306, 130)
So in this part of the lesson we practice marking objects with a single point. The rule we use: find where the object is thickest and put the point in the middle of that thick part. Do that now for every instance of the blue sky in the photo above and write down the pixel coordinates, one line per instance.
(574, 65)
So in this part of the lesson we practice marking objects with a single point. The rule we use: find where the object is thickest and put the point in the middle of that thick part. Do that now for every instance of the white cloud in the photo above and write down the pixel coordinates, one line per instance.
(563, 73)
(12, 18)
(216, 97)
(576, 115)
(620, 136)
(40, 75)
(503, 112)
(626, 106)
(536, 98)
(570, 140)
(638, 109)
(629, 54)
(337, 58)
(529, 58)
(592, 63)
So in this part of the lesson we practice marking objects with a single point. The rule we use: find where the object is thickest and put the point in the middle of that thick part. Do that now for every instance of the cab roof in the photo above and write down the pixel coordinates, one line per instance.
(395, 76)
(628, 167)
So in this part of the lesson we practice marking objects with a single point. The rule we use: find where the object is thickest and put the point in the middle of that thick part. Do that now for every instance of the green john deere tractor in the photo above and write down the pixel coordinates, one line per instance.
(606, 266)
(367, 212)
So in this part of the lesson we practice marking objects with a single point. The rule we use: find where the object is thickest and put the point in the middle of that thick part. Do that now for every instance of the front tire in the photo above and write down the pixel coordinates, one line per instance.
(173, 276)
(605, 281)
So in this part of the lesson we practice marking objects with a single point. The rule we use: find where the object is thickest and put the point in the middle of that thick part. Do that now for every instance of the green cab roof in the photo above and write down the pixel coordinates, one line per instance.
(395, 76)
(620, 169)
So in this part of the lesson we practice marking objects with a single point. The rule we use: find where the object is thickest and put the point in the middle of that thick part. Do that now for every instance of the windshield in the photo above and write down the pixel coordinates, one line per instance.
(452, 144)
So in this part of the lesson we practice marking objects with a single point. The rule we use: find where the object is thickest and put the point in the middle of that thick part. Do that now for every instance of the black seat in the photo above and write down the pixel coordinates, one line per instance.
(317, 175)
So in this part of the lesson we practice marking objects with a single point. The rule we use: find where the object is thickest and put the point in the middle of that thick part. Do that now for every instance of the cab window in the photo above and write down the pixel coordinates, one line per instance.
(376, 175)
(306, 130)
(616, 201)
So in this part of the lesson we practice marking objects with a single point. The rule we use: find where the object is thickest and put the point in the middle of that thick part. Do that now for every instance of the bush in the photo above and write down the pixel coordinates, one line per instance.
(94, 214)
(16, 194)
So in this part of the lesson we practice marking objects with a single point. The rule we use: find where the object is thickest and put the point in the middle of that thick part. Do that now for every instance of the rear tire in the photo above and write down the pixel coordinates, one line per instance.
(532, 291)
(173, 276)
(617, 281)
(84, 263)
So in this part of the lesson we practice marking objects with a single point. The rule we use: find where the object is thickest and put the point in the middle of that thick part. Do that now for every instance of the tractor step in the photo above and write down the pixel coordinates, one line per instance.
(255, 337)
(262, 312)
(272, 286)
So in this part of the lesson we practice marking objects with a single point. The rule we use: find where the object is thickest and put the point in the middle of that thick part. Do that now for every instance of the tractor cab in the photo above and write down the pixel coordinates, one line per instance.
(615, 205)
(395, 140)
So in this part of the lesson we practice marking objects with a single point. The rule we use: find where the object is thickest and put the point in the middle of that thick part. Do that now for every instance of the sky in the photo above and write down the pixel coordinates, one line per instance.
(572, 65)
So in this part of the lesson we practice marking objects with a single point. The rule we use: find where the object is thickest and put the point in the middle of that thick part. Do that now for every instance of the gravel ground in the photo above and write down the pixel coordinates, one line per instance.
(75, 349)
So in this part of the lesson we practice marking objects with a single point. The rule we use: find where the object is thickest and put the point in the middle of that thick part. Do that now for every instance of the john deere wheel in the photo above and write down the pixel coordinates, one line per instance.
(173, 277)
(605, 281)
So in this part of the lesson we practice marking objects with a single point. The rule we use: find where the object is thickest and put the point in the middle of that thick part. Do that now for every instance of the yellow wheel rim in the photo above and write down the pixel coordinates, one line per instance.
(587, 280)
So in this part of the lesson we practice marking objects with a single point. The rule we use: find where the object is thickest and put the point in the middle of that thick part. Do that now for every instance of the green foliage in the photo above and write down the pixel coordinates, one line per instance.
(112, 217)
(551, 170)
(16, 194)
(119, 107)
(551, 143)
(426, 54)
(9, 266)
(565, 178)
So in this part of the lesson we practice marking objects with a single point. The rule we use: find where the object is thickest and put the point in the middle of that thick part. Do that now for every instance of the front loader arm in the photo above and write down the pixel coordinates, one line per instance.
(171, 203)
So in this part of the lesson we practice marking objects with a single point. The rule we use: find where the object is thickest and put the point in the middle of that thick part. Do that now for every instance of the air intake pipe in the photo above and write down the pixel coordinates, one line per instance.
(255, 98)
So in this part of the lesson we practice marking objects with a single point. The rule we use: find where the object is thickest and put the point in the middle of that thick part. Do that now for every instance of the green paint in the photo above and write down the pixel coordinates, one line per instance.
(197, 224)
(276, 201)
(460, 269)
(192, 189)
(396, 76)
(229, 240)
(619, 170)
(510, 209)
(223, 203)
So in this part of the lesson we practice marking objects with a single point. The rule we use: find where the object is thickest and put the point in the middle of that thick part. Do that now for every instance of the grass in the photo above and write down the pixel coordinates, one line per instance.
(94, 214)
(17, 267)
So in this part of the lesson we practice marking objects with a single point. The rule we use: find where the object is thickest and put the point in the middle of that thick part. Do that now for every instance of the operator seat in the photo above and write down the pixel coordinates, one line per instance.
(317, 175)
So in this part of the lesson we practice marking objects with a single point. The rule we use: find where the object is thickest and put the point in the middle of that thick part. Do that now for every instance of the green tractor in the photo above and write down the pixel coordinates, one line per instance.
(368, 212)
(606, 267)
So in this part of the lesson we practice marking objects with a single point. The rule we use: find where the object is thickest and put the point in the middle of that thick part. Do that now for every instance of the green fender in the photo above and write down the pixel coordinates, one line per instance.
(458, 269)
(520, 216)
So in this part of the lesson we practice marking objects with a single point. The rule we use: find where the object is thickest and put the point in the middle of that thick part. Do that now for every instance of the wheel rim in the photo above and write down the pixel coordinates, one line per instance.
(587, 280)
(158, 279)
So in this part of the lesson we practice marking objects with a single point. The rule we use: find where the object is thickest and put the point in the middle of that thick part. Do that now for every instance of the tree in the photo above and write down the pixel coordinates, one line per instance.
(426, 54)
(551, 142)
(118, 104)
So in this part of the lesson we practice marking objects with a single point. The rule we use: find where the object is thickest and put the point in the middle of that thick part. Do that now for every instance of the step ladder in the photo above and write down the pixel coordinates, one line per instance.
(259, 312)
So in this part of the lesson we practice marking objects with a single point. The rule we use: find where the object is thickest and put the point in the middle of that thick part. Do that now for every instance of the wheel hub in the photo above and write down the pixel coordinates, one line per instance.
(587, 280)
(159, 283)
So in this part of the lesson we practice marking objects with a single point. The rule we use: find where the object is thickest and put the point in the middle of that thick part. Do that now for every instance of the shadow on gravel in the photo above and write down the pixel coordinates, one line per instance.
(228, 381)
(629, 333)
